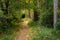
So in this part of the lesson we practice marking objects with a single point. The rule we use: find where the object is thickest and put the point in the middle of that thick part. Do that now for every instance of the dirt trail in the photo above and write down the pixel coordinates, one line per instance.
(24, 32)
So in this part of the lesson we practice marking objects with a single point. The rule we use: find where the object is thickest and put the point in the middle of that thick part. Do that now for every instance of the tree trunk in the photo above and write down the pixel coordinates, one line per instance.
(4, 9)
(6, 4)
(1, 5)
(55, 12)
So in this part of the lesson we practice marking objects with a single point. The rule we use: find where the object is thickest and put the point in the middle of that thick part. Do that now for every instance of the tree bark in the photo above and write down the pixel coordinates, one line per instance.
(4, 9)
(6, 4)
(1, 5)
(55, 12)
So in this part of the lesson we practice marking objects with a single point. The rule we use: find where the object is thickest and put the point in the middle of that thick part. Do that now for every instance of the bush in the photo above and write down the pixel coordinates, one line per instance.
(34, 23)
(7, 24)
(30, 23)
(47, 19)
(58, 24)
(43, 33)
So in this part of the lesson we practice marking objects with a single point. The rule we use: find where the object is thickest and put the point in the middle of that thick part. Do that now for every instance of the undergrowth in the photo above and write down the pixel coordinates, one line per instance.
(43, 33)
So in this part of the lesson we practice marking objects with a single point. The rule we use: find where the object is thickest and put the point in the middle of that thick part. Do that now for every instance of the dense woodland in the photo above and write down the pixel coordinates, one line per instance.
(43, 16)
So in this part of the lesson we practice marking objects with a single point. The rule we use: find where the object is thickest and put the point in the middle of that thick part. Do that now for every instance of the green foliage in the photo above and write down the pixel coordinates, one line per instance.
(34, 23)
(10, 21)
(43, 33)
(58, 24)
(58, 16)
(8, 37)
(30, 23)
(46, 13)
(7, 24)
(1, 13)
(46, 19)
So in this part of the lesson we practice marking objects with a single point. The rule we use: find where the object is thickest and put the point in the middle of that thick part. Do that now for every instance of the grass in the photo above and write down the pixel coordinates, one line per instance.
(7, 37)
(43, 33)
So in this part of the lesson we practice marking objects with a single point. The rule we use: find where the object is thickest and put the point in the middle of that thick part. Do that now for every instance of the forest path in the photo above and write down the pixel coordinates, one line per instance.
(24, 31)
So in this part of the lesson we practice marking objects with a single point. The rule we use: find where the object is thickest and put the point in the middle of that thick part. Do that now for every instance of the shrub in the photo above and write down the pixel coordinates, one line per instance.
(58, 24)
(43, 33)
(34, 23)
(30, 23)
(7, 24)
(47, 19)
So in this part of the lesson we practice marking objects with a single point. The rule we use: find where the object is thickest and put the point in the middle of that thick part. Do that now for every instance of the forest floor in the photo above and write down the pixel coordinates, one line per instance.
(23, 34)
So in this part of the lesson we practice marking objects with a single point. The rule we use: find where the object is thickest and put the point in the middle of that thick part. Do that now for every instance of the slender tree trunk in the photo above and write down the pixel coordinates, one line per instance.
(4, 9)
(55, 12)
(1, 5)
(6, 4)
(29, 11)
